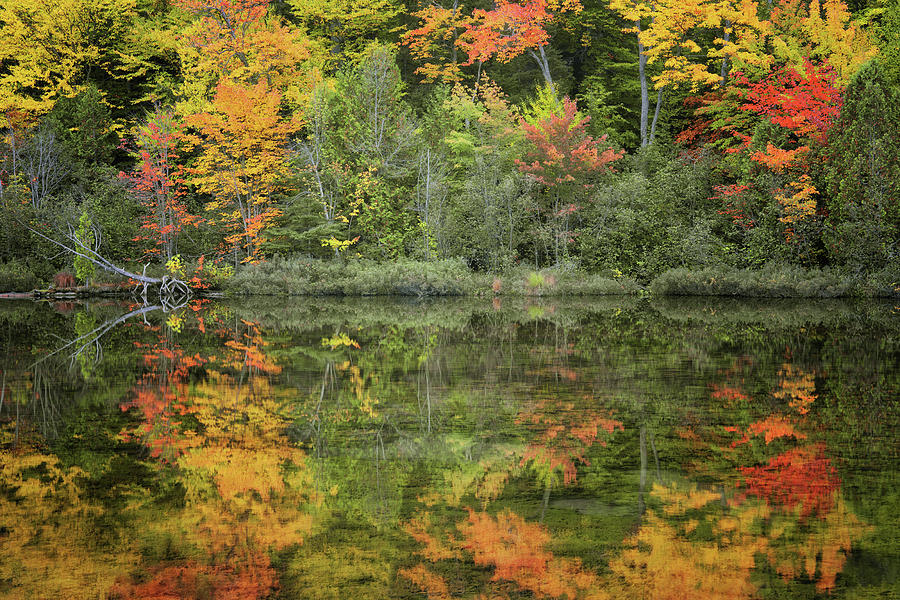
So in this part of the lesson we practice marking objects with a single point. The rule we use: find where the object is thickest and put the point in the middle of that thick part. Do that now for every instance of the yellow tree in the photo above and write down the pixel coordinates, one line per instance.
(670, 32)
(240, 40)
(348, 26)
(794, 32)
(50, 48)
(242, 141)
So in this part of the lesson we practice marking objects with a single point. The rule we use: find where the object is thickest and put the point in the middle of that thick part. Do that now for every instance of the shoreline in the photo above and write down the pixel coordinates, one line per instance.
(361, 279)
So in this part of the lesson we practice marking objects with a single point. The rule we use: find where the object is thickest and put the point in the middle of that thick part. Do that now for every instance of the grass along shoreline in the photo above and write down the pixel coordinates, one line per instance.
(297, 277)
(313, 277)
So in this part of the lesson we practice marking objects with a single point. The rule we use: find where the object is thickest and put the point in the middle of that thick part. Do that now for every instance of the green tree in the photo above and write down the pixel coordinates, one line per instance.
(864, 173)
(86, 235)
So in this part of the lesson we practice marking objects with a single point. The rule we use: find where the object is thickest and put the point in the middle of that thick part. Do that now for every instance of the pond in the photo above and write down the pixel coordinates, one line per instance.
(468, 448)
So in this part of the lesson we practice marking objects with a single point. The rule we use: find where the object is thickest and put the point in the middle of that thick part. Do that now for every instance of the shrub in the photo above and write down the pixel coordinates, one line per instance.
(17, 277)
(773, 281)
(63, 279)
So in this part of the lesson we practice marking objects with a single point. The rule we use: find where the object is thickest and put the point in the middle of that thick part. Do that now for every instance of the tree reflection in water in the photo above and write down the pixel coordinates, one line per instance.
(218, 451)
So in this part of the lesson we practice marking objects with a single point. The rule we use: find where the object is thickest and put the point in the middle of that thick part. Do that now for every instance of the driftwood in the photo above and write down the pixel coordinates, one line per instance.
(172, 291)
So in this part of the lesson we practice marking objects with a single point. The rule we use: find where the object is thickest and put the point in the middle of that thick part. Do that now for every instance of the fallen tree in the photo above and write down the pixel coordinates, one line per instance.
(172, 291)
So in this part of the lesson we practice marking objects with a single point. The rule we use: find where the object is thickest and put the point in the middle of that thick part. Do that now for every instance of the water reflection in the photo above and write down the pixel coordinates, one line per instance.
(453, 450)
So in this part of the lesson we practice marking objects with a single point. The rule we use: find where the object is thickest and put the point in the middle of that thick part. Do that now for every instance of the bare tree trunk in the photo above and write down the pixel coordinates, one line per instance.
(453, 55)
(645, 92)
(659, 100)
(43, 166)
(170, 288)
(723, 73)
(540, 57)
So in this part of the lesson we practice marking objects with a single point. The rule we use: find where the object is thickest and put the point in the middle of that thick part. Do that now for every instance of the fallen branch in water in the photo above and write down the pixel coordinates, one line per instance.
(92, 337)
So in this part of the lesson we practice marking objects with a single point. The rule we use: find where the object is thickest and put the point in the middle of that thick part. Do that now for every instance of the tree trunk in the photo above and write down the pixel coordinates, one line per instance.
(723, 74)
(659, 99)
(540, 57)
(645, 92)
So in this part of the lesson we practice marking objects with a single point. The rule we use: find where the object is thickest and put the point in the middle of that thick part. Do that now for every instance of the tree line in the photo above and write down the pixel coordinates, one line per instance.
(617, 136)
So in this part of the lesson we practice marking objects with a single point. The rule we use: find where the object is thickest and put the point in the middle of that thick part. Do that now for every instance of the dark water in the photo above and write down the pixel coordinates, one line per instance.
(454, 449)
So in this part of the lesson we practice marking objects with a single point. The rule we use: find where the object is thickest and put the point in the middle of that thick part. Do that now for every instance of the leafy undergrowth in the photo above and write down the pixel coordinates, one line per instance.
(297, 277)
(774, 281)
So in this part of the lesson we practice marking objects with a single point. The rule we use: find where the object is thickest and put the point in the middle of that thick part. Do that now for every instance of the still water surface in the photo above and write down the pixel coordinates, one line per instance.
(450, 449)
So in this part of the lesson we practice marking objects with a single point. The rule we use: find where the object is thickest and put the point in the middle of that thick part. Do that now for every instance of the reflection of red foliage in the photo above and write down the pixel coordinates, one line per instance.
(157, 397)
(563, 436)
(191, 580)
(771, 428)
(727, 393)
(64, 307)
(803, 476)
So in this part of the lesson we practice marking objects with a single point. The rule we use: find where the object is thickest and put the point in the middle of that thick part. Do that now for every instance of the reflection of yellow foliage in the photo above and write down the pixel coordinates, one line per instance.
(358, 384)
(824, 550)
(339, 340)
(677, 502)
(249, 353)
(435, 549)
(660, 562)
(241, 468)
(664, 560)
(45, 551)
(175, 322)
(432, 584)
(798, 386)
(246, 485)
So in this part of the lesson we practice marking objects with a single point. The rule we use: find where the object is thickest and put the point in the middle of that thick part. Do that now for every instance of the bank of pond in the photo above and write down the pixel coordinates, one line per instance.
(310, 277)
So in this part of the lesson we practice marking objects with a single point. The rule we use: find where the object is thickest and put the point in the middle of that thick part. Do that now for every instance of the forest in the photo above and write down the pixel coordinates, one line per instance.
(237, 143)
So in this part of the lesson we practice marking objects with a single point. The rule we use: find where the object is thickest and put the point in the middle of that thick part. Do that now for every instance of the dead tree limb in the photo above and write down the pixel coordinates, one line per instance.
(82, 342)
(172, 289)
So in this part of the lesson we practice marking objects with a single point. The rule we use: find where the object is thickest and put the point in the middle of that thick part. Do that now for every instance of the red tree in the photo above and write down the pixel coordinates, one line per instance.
(565, 158)
(157, 183)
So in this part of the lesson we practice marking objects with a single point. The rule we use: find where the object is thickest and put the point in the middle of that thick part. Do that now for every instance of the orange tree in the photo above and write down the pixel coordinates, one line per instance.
(508, 30)
(242, 144)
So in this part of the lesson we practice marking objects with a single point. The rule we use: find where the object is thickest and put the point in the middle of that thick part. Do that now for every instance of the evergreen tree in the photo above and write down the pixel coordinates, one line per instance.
(864, 173)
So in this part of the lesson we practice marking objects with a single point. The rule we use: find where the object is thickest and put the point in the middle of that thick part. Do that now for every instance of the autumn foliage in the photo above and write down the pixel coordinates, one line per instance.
(803, 477)
(158, 182)
(563, 152)
(562, 437)
(516, 552)
(507, 30)
(244, 143)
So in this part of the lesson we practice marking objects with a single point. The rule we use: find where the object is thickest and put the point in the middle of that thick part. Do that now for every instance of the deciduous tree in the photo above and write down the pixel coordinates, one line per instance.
(158, 183)
(566, 160)
(243, 149)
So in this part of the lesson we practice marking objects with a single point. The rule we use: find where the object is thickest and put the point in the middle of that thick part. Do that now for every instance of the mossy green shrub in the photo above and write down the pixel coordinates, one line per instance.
(17, 277)
(298, 277)
(357, 278)
(562, 281)
(772, 281)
